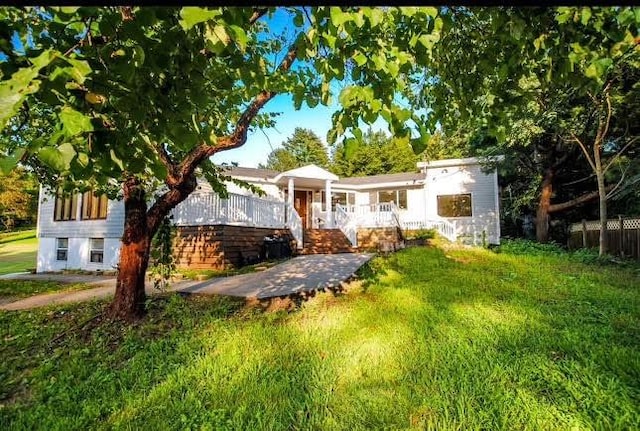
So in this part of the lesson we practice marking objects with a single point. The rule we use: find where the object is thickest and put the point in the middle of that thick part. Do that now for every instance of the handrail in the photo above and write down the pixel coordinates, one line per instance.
(346, 224)
(294, 223)
(444, 227)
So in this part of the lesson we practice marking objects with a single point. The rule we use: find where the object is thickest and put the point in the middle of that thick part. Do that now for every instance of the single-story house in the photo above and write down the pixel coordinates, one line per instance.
(312, 207)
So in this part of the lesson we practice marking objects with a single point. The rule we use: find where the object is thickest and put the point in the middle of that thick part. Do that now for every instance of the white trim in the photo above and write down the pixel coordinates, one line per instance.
(458, 162)
(386, 185)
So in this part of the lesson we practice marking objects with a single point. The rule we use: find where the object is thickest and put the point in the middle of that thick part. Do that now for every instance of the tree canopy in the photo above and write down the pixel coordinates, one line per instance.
(302, 148)
(537, 83)
(140, 97)
(375, 153)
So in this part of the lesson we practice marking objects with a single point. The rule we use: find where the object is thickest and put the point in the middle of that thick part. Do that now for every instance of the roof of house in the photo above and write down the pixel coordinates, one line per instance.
(381, 179)
(239, 171)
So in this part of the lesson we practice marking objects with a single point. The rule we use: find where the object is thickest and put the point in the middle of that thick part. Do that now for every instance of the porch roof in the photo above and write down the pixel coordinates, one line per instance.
(310, 175)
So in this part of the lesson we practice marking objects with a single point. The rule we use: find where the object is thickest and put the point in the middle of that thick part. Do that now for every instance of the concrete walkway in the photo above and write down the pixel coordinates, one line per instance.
(300, 274)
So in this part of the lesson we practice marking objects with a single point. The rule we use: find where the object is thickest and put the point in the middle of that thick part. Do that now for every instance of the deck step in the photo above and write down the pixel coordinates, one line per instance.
(326, 241)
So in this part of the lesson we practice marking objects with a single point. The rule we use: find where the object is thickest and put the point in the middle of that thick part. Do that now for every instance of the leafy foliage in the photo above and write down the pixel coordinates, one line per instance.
(374, 153)
(162, 261)
(18, 199)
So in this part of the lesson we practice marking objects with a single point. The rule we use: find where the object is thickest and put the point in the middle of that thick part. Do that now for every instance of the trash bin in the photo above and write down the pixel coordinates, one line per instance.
(272, 248)
(276, 247)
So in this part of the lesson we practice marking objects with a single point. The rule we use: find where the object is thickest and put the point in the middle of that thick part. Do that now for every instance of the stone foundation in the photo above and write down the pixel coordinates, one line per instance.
(221, 246)
(377, 238)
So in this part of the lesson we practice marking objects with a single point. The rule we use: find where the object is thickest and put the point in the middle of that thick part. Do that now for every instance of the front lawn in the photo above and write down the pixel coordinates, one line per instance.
(18, 251)
(434, 339)
(23, 288)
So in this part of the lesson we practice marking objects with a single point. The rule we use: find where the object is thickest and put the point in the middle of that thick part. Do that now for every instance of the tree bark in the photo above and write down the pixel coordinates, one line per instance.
(134, 255)
(602, 192)
(139, 228)
(542, 215)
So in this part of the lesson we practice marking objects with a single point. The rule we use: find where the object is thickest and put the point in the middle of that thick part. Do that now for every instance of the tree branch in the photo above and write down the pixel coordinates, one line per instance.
(257, 14)
(619, 153)
(584, 150)
(239, 136)
(618, 184)
(577, 201)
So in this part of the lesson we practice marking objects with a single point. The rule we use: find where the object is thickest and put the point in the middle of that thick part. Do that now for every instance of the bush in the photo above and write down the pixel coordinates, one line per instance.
(529, 247)
(421, 234)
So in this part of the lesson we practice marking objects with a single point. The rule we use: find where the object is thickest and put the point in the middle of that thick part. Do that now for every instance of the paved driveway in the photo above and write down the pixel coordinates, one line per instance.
(300, 274)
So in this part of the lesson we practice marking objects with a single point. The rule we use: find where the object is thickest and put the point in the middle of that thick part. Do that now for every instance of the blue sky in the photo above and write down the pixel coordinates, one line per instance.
(260, 143)
(318, 119)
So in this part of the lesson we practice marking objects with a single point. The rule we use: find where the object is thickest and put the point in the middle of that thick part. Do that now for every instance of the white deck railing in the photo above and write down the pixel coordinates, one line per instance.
(345, 221)
(388, 215)
(444, 227)
(294, 223)
(241, 210)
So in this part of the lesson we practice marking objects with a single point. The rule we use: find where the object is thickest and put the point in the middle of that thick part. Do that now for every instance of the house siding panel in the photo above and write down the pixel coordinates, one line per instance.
(466, 179)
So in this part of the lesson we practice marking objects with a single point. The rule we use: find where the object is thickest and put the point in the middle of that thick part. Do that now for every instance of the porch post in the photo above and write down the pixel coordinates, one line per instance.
(290, 198)
(327, 203)
(290, 191)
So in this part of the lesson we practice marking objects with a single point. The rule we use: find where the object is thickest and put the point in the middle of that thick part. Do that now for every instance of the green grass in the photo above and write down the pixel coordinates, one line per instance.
(434, 339)
(18, 251)
(24, 288)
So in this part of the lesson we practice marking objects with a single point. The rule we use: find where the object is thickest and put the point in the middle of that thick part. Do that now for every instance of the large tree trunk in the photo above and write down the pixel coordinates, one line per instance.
(542, 215)
(140, 226)
(134, 255)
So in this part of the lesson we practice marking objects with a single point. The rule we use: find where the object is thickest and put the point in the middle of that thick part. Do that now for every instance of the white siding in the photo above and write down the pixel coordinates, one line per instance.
(467, 179)
(77, 254)
(111, 227)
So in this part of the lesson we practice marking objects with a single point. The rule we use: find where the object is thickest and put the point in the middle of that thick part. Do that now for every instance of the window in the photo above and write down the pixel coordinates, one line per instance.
(94, 207)
(342, 198)
(399, 197)
(454, 205)
(62, 247)
(65, 207)
(96, 251)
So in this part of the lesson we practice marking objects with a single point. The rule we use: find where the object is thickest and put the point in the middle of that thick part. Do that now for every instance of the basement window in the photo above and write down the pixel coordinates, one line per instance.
(62, 248)
(96, 251)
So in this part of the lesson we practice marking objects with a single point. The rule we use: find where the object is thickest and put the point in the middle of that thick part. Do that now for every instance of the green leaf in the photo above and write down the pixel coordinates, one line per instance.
(68, 153)
(431, 11)
(74, 122)
(51, 157)
(83, 159)
(360, 59)
(598, 68)
(585, 15)
(240, 37)
(14, 91)
(79, 69)
(337, 16)
(8, 163)
(116, 159)
(192, 16)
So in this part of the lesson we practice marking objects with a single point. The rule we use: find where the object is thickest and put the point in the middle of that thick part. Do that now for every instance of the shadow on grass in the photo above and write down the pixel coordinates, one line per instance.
(454, 339)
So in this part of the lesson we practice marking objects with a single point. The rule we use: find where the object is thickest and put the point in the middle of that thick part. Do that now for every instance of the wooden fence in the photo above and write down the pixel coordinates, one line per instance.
(623, 236)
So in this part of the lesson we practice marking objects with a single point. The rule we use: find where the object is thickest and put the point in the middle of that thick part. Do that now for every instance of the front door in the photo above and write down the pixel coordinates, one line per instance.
(300, 204)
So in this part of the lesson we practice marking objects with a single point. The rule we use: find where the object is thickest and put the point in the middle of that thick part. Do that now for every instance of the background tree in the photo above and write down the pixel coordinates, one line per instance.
(138, 98)
(303, 148)
(18, 199)
(518, 75)
(373, 154)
